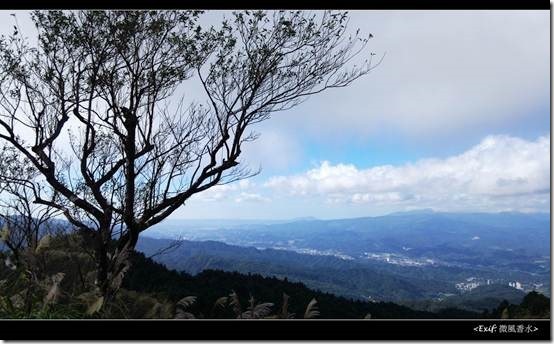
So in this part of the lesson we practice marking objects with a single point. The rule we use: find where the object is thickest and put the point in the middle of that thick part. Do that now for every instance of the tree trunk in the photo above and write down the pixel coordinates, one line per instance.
(102, 273)
(111, 271)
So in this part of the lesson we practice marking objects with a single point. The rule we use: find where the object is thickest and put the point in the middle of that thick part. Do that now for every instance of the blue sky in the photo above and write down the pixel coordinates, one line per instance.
(456, 118)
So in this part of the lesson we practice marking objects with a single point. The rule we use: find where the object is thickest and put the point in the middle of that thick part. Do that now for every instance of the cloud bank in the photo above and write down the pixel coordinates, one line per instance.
(500, 173)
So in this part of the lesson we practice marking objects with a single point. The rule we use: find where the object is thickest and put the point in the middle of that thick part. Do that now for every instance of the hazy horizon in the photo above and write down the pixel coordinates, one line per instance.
(421, 210)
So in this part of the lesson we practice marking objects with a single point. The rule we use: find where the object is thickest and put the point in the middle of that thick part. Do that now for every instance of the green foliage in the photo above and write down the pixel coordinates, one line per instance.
(210, 286)
(533, 306)
(46, 281)
(21, 296)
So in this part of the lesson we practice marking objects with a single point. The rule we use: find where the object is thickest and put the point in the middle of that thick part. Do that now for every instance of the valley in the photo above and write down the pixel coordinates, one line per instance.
(403, 257)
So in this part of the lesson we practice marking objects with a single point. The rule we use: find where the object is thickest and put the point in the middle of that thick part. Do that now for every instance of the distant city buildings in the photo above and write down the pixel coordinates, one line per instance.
(516, 285)
(467, 286)
(473, 282)
(398, 259)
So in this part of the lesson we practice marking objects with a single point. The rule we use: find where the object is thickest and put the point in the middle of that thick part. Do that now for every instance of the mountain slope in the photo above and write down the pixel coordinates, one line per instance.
(146, 276)
(440, 247)
(528, 233)
(486, 297)
(326, 273)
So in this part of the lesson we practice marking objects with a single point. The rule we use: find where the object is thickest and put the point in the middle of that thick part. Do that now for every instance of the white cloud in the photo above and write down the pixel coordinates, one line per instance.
(223, 192)
(251, 197)
(215, 193)
(501, 172)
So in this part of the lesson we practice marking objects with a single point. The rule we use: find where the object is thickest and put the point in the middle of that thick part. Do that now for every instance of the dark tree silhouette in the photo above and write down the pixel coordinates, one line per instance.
(97, 107)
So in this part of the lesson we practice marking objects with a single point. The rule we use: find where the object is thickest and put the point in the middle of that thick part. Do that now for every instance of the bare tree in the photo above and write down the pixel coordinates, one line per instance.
(100, 100)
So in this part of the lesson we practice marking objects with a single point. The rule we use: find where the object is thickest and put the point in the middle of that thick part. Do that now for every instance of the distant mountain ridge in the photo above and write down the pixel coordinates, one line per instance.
(509, 237)
(406, 249)
(513, 230)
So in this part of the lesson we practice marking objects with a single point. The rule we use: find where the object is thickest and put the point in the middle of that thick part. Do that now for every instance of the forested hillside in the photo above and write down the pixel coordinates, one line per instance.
(151, 277)
(62, 287)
